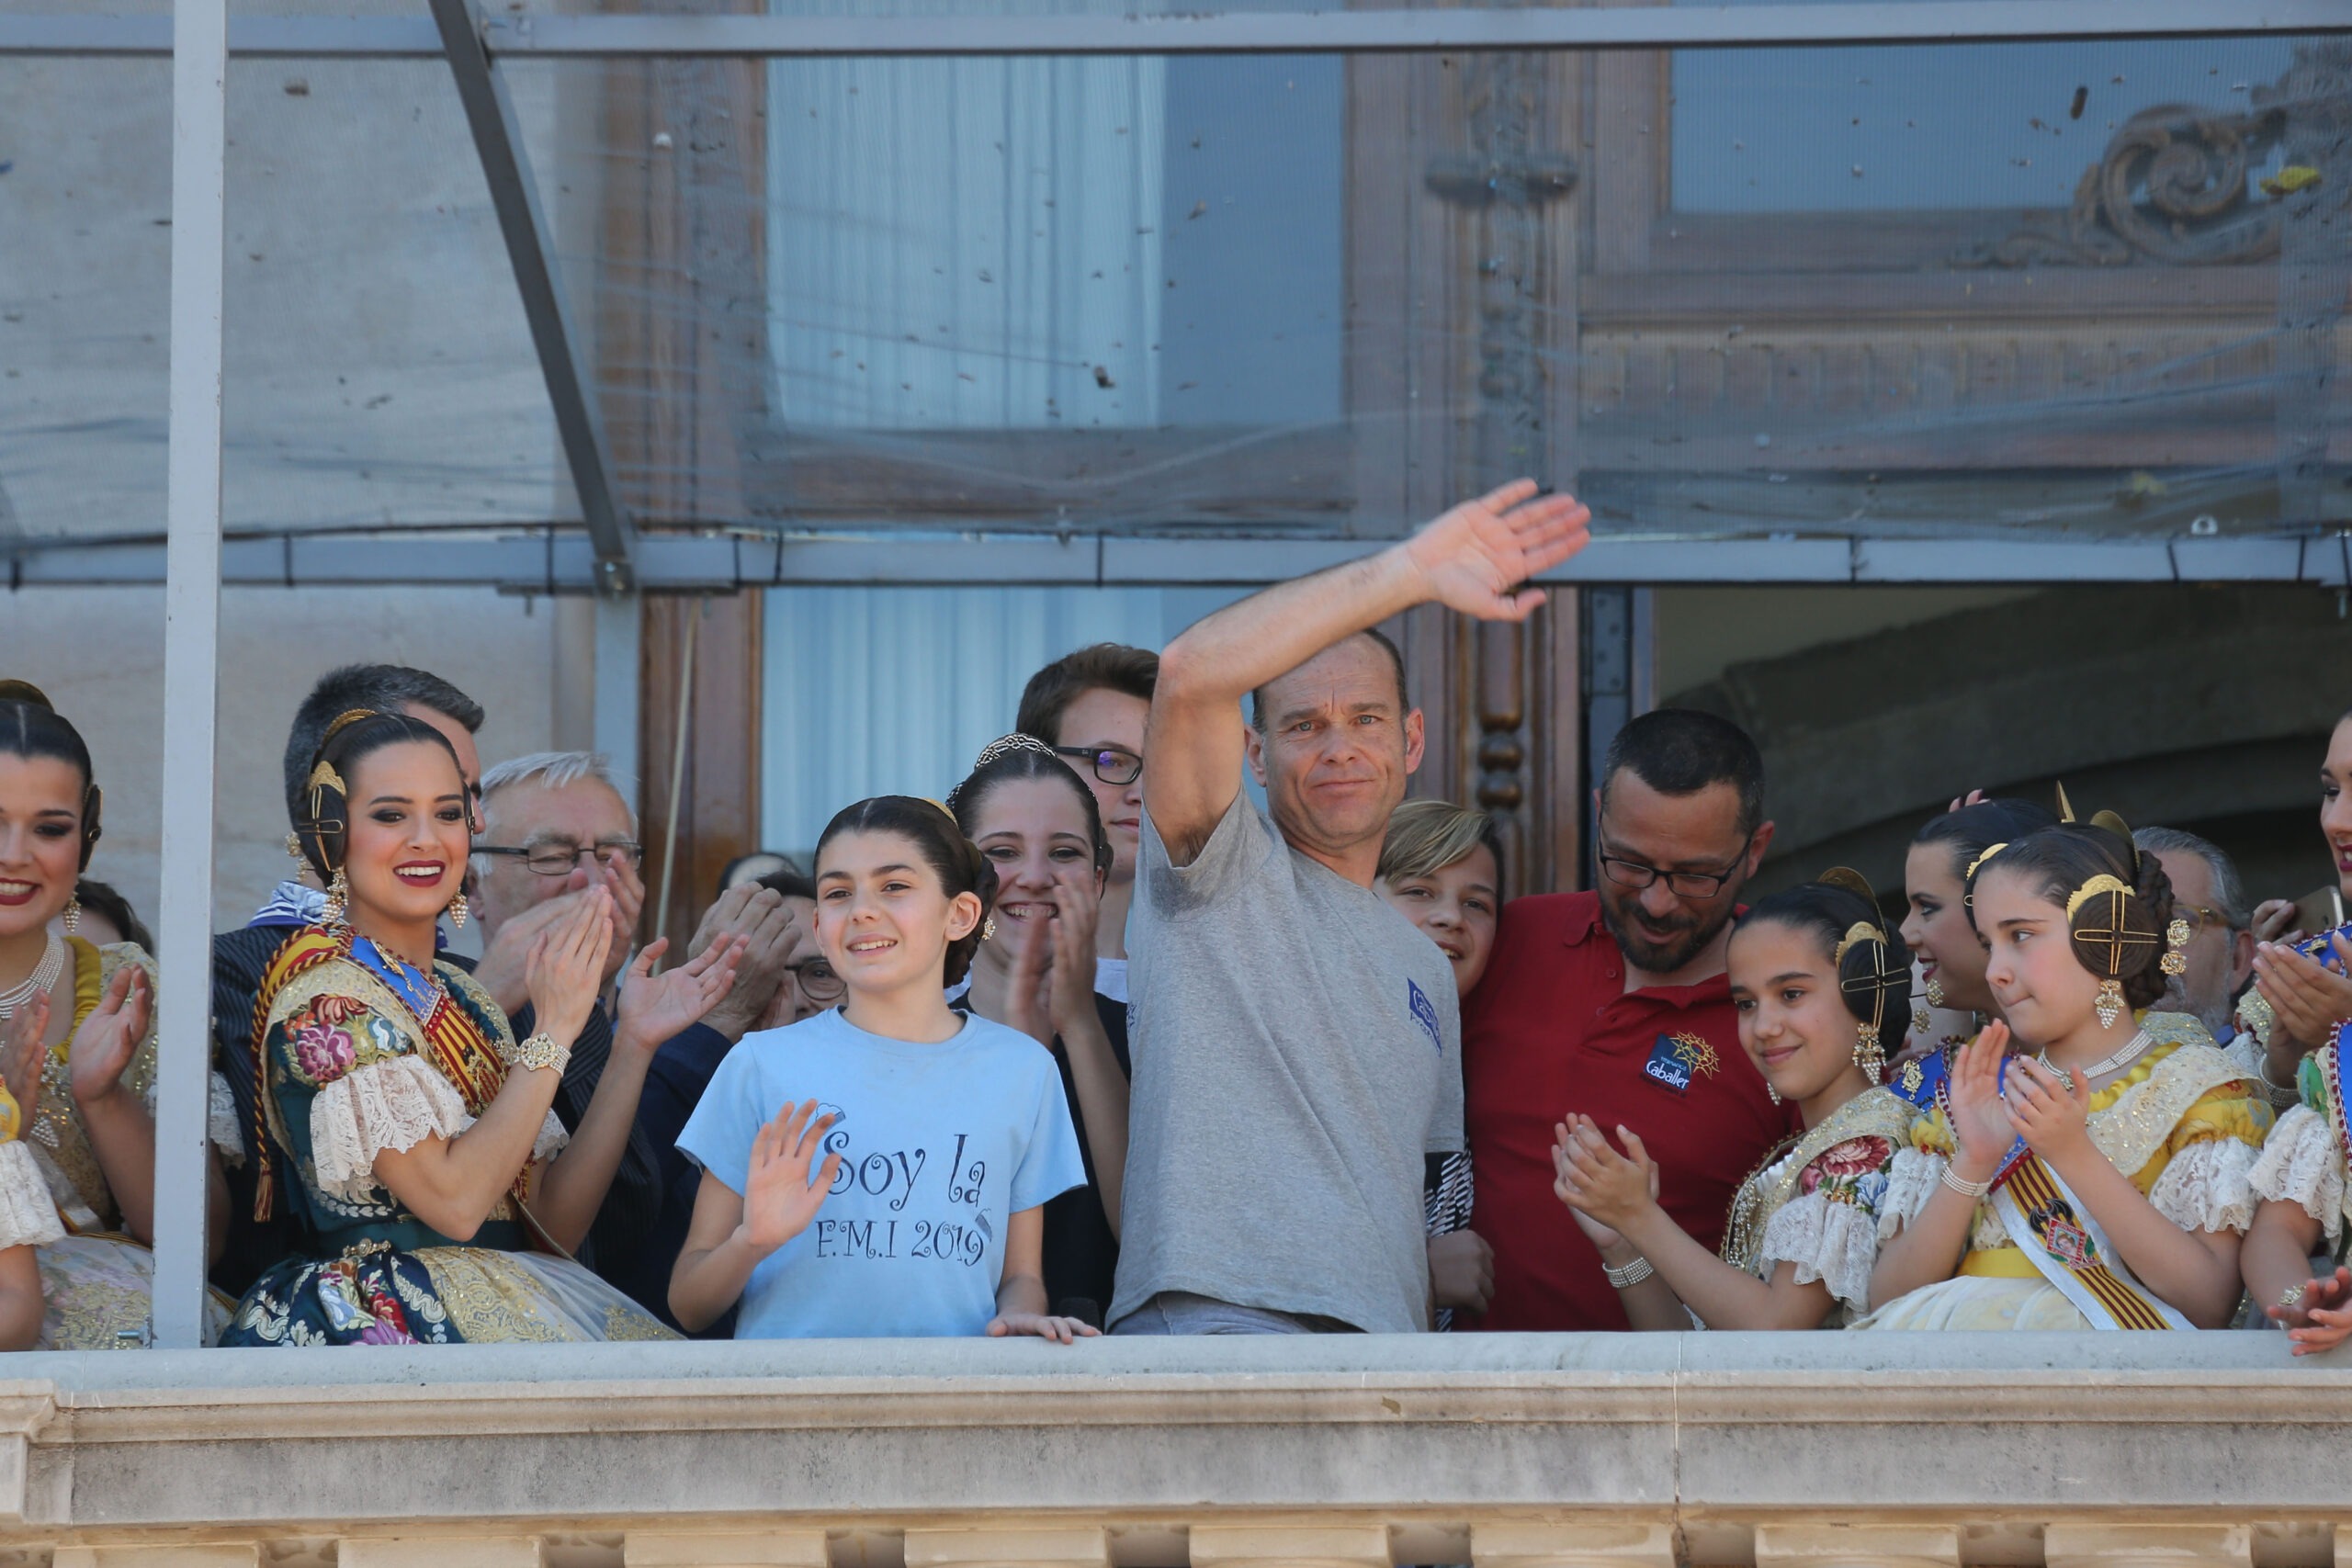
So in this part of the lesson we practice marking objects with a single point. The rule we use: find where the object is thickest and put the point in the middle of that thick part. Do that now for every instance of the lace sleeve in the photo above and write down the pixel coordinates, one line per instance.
(2205, 1185)
(28, 1216)
(2300, 1164)
(1831, 1241)
(220, 1121)
(393, 1103)
(1912, 1179)
(551, 1140)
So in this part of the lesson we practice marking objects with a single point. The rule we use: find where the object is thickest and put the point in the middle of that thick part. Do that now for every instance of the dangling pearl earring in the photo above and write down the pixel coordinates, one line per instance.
(332, 912)
(1770, 1090)
(988, 931)
(1935, 994)
(73, 913)
(459, 910)
(1868, 1054)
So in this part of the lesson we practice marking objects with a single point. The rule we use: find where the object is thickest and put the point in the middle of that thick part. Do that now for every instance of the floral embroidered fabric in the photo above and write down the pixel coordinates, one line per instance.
(347, 1075)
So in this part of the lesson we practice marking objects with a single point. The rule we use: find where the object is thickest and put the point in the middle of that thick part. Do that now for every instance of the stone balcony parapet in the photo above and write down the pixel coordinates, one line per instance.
(1500, 1451)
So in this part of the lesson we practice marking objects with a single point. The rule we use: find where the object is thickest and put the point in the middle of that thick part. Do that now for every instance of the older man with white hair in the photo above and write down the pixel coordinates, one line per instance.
(2207, 894)
(556, 823)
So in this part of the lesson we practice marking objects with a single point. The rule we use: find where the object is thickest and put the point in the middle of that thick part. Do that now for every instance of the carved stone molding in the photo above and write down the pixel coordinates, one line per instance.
(2176, 184)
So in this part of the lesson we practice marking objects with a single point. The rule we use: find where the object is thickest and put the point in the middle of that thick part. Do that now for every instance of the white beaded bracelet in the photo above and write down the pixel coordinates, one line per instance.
(1633, 1274)
(1969, 1190)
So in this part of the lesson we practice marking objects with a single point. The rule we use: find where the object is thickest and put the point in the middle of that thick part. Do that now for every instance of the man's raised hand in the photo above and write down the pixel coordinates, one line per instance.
(1476, 557)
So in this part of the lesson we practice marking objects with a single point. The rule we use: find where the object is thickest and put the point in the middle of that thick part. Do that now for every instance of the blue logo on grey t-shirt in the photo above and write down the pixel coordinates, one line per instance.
(1424, 1012)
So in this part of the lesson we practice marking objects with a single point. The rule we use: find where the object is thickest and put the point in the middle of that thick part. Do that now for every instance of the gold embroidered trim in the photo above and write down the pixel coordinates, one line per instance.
(1874, 1112)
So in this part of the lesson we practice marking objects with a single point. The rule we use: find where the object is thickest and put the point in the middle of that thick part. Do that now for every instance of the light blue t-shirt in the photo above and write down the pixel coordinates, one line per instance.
(940, 1146)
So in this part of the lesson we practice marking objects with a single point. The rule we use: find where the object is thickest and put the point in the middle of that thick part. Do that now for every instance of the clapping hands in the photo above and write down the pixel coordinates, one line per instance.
(1980, 1122)
(565, 970)
(23, 1050)
(1606, 1191)
(103, 1045)
(655, 1007)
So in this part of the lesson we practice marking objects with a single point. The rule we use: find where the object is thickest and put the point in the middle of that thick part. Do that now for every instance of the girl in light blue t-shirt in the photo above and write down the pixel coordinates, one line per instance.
(937, 1138)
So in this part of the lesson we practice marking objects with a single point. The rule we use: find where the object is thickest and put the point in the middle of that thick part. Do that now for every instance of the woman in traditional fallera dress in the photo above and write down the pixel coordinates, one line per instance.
(2305, 1199)
(2096, 1179)
(1952, 1003)
(77, 1047)
(1817, 986)
(425, 1149)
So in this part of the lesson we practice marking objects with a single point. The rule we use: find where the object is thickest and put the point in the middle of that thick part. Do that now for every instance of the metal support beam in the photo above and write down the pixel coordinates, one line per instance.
(490, 112)
(593, 35)
(191, 664)
(250, 37)
(670, 563)
(1405, 32)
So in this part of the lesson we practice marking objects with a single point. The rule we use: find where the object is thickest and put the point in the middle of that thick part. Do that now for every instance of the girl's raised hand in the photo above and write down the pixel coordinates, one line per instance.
(1029, 988)
(1070, 983)
(2051, 1114)
(102, 1047)
(23, 1050)
(779, 1200)
(1593, 1178)
(1980, 1121)
(1601, 1236)
(1041, 1326)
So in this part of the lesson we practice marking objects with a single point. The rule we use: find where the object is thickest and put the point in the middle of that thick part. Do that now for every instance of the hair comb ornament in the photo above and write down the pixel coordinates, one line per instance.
(1968, 886)
(344, 721)
(2110, 925)
(1004, 744)
(1869, 975)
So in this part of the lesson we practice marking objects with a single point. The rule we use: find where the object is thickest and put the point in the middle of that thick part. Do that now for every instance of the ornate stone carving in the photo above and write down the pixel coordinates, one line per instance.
(1502, 187)
(2177, 182)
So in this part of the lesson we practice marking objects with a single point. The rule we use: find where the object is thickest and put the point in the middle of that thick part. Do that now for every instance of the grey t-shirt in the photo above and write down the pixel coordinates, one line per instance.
(1297, 1050)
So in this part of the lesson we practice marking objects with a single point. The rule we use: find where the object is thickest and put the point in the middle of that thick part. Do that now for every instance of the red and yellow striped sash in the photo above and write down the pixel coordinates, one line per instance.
(2068, 1240)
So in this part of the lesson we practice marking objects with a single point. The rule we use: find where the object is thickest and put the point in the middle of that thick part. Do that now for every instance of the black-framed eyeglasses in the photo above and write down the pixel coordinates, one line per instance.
(1111, 765)
(1682, 884)
(817, 979)
(557, 860)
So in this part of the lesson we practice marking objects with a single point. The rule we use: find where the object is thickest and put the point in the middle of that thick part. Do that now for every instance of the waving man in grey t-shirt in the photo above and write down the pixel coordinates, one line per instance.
(1296, 1042)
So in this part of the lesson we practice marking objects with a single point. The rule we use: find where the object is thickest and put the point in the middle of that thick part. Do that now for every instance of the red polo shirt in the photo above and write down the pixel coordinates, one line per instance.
(1552, 1029)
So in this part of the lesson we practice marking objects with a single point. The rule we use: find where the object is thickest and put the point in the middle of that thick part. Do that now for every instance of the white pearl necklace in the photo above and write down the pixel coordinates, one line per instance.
(40, 983)
(2116, 1062)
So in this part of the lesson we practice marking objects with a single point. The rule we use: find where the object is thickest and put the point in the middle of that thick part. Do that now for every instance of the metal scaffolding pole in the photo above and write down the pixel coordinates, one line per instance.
(191, 663)
(497, 139)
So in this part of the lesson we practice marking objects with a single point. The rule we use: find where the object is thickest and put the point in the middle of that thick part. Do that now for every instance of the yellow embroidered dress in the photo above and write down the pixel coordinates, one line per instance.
(2185, 1122)
(97, 1281)
(361, 1054)
(1816, 1203)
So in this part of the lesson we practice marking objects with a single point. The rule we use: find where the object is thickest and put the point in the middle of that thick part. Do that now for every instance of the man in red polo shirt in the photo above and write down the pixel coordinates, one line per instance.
(1614, 1003)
